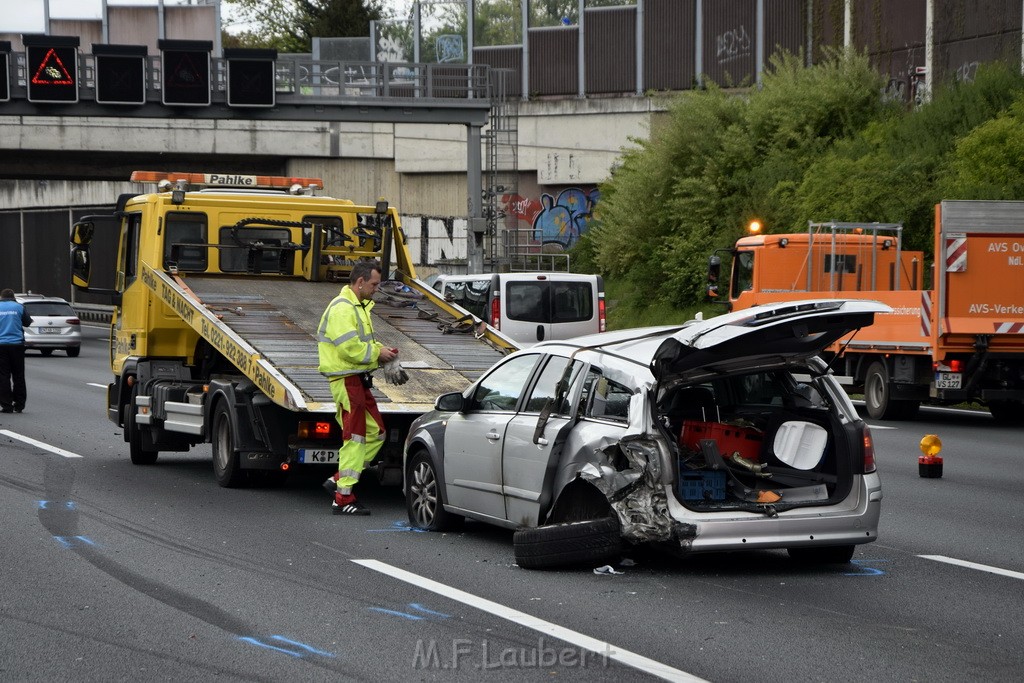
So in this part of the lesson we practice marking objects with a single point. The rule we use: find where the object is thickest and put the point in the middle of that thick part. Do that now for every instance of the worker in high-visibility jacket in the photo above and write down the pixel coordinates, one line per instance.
(348, 354)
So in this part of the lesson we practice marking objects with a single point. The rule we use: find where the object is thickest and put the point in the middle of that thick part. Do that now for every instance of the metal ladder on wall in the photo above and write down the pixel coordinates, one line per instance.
(501, 170)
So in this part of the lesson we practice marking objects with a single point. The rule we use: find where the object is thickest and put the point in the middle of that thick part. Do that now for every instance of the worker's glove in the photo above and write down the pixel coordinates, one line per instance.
(394, 373)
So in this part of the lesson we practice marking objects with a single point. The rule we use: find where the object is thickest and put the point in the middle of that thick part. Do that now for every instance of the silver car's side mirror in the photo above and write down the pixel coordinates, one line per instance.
(453, 402)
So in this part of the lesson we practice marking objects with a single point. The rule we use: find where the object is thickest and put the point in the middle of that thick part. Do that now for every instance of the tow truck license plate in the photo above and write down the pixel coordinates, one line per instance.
(948, 380)
(49, 330)
(310, 455)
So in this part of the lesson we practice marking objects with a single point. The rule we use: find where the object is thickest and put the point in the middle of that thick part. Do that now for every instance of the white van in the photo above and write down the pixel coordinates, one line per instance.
(530, 307)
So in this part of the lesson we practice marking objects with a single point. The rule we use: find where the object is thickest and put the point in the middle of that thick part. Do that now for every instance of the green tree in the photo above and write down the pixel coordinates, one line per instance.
(988, 162)
(720, 161)
(291, 25)
(819, 143)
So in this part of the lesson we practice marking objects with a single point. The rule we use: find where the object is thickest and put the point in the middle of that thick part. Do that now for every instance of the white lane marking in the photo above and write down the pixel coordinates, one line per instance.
(39, 444)
(599, 647)
(94, 384)
(975, 565)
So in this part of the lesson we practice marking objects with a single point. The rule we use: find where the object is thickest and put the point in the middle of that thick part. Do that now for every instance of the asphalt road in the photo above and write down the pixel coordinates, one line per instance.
(118, 572)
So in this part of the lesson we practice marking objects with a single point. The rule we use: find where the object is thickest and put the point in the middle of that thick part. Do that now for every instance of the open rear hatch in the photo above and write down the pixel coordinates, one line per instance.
(751, 411)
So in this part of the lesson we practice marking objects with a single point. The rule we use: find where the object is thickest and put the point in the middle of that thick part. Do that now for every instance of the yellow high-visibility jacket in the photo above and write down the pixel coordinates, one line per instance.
(346, 344)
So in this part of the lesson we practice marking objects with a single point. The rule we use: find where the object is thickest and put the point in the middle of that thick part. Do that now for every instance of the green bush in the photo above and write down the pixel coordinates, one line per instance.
(819, 143)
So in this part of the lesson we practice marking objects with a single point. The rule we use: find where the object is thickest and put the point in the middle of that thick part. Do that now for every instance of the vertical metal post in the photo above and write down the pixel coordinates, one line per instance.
(809, 59)
(218, 47)
(581, 54)
(474, 196)
(46, 16)
(525, 66)
(698, 42)
(639, 47)
(470, 18)
(161, 26)
(373, 41)
(105, 21)
(848, 24)
(416, 32)
(21, 218)
(759, 47)
(929, 50)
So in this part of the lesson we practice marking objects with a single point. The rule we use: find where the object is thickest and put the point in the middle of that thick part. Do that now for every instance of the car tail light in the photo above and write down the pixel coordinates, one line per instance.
(869, 451)
(73, 321)
(496, 312)
(602, 324)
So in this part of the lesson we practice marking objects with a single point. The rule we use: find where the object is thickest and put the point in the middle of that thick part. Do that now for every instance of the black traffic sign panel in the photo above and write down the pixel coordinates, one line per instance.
(51, 68)
(185, 72)
(120, 74)
(250, 75)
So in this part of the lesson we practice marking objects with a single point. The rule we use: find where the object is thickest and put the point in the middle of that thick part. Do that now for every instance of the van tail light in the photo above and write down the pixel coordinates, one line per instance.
(602, 323)
(869, 451)
(73, 321)
(496, 312)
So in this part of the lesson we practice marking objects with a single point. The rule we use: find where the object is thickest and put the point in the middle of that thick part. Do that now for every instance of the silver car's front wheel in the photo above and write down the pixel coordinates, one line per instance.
(423, 496)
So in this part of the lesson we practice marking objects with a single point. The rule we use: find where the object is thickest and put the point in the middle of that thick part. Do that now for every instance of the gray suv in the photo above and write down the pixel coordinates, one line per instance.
(721, 434)
(55, 325)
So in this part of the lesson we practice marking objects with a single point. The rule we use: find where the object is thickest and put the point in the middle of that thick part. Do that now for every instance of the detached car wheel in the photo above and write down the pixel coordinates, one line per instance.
(572, 543)
(829, 554)
(423, 497)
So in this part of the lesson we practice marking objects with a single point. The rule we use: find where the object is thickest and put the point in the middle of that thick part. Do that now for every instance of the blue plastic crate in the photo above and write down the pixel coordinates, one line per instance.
(702, 485)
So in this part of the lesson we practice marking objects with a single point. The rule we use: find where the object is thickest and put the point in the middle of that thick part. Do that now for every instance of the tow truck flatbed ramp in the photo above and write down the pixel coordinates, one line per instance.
(279, 318)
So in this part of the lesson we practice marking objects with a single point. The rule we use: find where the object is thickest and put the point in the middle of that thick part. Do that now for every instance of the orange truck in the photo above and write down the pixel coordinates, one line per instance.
(960, 340)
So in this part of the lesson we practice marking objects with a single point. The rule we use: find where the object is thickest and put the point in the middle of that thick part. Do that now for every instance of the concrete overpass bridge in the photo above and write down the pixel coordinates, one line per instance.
(426, 137)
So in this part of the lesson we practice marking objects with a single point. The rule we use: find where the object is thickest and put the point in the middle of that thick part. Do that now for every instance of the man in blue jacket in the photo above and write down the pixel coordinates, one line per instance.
(13, 319)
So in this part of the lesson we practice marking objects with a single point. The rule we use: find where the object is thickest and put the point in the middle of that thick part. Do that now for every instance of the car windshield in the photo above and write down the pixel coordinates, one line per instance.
(38, 309)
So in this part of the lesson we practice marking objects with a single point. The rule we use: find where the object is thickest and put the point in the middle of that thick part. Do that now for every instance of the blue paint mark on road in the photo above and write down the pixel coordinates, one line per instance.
(69, 541)
(308, 648)
(68, 504)
(411, 617)
(399, 525)
(864, 570)
(420, 608)
(301, 648)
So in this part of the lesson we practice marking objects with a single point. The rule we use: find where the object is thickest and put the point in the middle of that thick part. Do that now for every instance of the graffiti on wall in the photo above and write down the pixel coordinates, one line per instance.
(732, 45)
(550, 220)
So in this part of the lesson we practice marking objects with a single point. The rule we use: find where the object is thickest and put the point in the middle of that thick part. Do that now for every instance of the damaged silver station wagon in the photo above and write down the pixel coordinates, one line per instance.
(721, 434)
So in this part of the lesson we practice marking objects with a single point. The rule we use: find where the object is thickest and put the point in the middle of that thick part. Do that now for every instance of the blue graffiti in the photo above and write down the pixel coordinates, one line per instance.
(561, 221)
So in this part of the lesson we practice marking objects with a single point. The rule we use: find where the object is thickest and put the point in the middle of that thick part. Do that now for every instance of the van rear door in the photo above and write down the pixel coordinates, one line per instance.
(538, 307)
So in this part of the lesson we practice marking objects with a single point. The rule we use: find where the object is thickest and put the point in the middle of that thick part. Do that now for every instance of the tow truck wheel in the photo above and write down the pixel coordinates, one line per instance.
(878, 396)
(134, 436)
(225, 457)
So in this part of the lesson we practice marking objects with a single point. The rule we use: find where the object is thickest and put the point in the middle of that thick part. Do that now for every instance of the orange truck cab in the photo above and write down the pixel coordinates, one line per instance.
(959, 340)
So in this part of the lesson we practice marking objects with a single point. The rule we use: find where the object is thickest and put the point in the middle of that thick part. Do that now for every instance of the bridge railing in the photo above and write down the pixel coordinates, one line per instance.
(299, 80)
